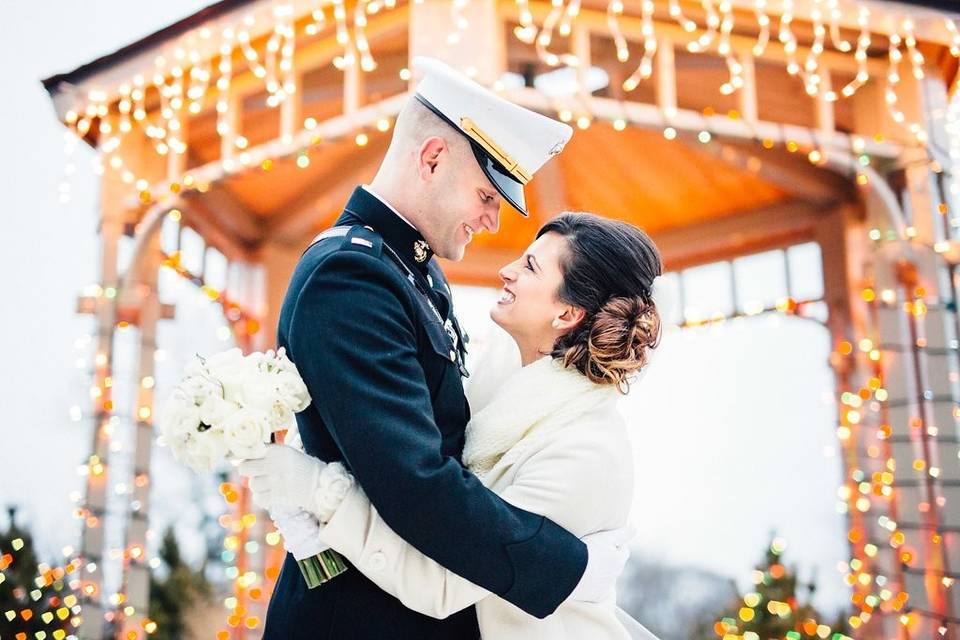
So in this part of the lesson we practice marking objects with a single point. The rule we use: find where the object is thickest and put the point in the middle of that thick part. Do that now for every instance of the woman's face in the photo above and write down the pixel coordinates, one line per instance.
(529, 308)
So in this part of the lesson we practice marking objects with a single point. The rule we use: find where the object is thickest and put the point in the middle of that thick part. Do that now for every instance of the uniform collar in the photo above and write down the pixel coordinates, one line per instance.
(395, 230)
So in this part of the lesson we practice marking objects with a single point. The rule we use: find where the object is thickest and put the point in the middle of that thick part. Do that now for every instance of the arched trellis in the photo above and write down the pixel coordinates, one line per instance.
(355, 133)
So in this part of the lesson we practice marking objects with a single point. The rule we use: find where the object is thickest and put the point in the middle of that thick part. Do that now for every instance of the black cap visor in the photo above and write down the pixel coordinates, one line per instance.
(505, 184)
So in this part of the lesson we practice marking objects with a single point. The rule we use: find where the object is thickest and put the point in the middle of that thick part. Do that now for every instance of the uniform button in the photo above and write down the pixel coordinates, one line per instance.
(453, 356)
(377, 562)
(430, 280)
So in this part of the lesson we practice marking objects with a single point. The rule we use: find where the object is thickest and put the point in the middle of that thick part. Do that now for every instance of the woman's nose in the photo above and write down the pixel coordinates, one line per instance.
(507, 273)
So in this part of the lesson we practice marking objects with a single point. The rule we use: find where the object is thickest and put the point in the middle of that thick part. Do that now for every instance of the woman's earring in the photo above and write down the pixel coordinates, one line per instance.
(556, 324)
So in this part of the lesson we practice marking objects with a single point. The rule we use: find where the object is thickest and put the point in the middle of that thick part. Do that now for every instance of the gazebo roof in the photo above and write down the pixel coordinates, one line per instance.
(669, 184)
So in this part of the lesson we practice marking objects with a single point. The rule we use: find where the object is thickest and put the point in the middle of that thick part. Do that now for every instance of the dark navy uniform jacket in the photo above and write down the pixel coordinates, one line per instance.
(388, 401)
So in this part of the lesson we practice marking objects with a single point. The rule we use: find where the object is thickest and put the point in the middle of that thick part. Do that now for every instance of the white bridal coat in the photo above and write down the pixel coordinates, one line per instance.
(546, 440)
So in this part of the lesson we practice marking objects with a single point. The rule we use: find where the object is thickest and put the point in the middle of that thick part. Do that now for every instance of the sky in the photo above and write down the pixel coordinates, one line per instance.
(732, 427)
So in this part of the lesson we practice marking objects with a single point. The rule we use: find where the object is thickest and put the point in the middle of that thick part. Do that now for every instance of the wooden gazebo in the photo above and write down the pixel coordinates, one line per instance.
(723, 127)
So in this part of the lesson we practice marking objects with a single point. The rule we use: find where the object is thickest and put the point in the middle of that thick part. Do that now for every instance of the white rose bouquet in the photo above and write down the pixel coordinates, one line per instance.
(228, 406)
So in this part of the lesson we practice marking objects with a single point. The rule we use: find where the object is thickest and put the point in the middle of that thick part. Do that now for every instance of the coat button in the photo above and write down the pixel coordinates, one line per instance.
(377, 562)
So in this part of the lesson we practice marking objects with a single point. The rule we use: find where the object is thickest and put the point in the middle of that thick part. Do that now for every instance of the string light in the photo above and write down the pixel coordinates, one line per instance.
(183, 81)
(645, 69)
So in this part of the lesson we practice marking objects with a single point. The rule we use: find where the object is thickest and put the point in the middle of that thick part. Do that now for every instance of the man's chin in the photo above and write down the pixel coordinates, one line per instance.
(456, 255)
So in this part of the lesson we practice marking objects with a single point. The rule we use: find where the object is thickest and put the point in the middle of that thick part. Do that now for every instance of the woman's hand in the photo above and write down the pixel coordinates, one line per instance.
(284, 477)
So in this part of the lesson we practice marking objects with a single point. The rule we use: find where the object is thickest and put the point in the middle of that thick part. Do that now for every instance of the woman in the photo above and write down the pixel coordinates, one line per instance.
(546, 437)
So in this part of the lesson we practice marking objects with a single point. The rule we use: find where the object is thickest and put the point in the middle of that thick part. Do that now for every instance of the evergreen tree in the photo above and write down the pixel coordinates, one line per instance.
(172, 598)
(34, 598)
(773, 609)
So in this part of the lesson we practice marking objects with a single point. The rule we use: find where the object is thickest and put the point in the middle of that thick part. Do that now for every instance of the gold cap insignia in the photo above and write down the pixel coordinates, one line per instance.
(420, 248)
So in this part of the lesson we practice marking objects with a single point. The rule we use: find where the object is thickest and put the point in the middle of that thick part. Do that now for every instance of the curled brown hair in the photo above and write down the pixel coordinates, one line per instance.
(608, 271)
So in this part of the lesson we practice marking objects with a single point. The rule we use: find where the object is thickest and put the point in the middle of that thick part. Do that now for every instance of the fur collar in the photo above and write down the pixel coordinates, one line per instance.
(534, 399)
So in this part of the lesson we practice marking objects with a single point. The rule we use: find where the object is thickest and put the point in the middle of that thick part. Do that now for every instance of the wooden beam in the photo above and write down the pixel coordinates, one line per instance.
(581, 49)
(307, 210)
(332, 129)
(353, 78)
(479, 49)
(234, 116)
(291, 110)
(649, 116)
(791, 172)
(779, 225)
(218, 216)
(747, 96)
(826, 120)
(666, 77)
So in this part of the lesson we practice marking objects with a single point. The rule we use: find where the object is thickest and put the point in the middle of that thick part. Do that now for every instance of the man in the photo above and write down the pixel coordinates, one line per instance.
(368, 321)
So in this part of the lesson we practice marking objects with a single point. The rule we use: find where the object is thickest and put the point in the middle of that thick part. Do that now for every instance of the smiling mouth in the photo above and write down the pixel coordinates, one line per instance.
(469, 230)
(506, 297)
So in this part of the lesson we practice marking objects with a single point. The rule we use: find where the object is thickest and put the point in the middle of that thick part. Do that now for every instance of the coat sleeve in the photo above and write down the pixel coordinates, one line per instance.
(577, 481)
(355, 344)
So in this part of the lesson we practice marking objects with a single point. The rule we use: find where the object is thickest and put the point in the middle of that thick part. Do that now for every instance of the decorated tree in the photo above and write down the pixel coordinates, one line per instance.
(773, 609)
(35, 599)
(173, 597)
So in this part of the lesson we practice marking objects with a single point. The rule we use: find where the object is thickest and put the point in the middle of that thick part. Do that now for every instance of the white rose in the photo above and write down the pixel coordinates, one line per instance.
(215, 411)
(199, 388)
(292, 391)
(280, 416)
(247, 433)
(204, 450)
(231, 369)
(179, 418)
(259, 390)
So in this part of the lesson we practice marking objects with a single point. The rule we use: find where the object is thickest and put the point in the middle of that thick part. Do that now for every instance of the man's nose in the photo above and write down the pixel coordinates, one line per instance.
(491, 221)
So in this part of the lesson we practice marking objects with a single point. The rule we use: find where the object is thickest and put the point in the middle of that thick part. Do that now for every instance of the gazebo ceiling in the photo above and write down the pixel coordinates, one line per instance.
(636, 175)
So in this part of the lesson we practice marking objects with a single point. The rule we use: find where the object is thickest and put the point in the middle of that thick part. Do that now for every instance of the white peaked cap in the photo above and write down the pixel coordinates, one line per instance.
(511, 143)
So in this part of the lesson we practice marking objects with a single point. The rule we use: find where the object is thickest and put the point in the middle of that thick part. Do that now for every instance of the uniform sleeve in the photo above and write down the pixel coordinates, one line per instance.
(354, 343)
(575, 480)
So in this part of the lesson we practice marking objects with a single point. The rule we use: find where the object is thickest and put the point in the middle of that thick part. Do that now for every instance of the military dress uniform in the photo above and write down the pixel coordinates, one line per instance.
(384, 373)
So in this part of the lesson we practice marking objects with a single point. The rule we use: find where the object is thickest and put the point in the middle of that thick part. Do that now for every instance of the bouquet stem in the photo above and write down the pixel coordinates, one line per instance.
(321, 568)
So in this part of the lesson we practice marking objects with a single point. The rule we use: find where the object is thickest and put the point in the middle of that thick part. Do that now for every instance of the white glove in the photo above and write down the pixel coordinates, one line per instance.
(283, 477)
(300, 531)
(607, 554)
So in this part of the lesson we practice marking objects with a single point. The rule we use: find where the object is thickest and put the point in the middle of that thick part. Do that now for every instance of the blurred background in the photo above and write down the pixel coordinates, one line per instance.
(808, 234)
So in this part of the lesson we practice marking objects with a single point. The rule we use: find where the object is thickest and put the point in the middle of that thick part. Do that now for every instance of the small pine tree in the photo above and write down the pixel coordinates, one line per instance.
(33, 597)
(773, 609)
(172, 598)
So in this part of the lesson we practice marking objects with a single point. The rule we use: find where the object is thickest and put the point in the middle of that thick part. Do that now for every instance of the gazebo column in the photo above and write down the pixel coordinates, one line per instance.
(933, 468)
(108, 309)
(916, 339)
(848, 262)
(93, 510)
(136, 587)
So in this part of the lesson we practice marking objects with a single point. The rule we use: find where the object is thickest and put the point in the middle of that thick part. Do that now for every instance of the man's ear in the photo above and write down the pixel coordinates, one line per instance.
(429, 156)
(571, 317)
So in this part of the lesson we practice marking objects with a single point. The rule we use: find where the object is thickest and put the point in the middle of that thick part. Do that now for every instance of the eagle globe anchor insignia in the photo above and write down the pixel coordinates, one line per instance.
(420, 250)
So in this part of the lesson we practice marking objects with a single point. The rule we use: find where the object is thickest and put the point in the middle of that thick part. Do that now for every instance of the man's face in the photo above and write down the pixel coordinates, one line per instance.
(462, 201)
